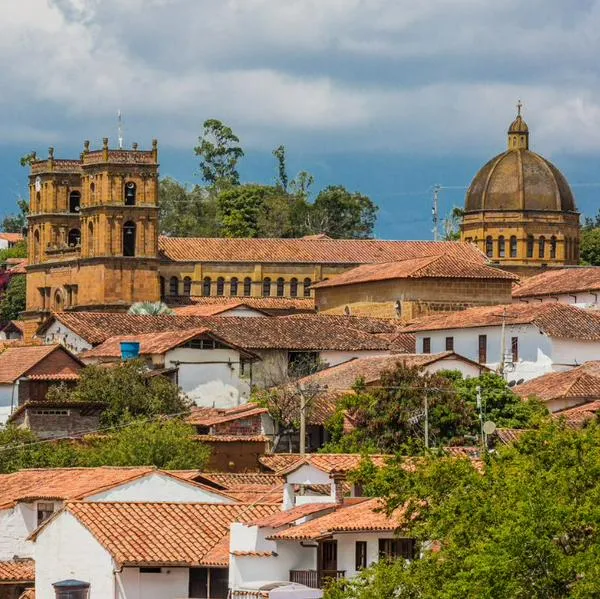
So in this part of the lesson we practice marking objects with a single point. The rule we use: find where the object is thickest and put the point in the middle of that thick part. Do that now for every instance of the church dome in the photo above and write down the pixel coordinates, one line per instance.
(519, 179)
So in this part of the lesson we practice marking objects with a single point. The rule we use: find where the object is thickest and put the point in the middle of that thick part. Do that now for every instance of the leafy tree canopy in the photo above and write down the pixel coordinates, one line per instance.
(127, 391)
(13, 299)
(167, 443)
(527, 526)
(390, 418)
(15, 223)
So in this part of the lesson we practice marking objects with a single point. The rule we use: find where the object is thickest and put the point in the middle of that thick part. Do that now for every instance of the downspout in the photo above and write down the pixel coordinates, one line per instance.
(119, 584)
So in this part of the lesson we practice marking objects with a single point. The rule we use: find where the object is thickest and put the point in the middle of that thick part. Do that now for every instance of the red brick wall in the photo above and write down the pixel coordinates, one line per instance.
(245, 426)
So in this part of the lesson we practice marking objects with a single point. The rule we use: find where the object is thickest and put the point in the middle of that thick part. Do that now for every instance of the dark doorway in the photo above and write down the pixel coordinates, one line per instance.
(129, 239)
(209, 583)
(329, 556)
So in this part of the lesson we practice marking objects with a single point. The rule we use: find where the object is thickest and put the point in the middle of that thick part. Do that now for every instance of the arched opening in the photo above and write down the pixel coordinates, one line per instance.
(162, 287)
(58, 301)
(513, 246)
(37, 201)
(294, 287)
(307, 284)
(501, 247)
(233, 286)
(530, 246)
(489, 246)
(266, 287)
(280, 287)
(206, 285)
(36, 246)
(130, 193)
(74, 238)
(553, 247)
(129, 238)
(173, 286)
(542, 247)
(220, 286)
(74, 201)
(247, 287)
(187, 286)
(90, 242)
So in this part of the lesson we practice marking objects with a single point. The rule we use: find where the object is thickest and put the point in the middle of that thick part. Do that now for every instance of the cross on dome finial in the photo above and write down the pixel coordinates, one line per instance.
(519, 106)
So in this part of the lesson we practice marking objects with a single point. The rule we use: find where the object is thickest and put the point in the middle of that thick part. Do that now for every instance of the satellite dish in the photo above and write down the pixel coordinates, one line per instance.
(489, 427)
(38, 183)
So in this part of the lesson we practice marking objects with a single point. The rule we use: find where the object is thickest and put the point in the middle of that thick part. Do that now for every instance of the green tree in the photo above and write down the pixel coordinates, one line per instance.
(15, 223)
(590, 246)
(187, 211)
(168, 444)
(13, 300)
(219, 154)
(19, 250)
(28, 159)
(127, 391)
(342, 214)
(451, 224)
(527, 526)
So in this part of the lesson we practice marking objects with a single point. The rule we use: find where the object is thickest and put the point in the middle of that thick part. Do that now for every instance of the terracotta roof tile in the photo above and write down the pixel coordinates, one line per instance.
(232, 438)
(163, 534)
(366, 516)
(17, 571)
(579, 415)
(286, 517)
(509, 435)
(239, 480)
(557, 320)
(16, 361)
(274, 306)
(214, 309)
(63, 483)
(298, 332)
(11, 237)
(328, 462)
(431, 267)
(308, 251)
(272, 496)
(203, 416)
(559, 281)
(582, 382)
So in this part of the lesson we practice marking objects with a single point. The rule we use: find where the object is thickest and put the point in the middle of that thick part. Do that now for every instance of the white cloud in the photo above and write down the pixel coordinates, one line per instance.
(435, 76)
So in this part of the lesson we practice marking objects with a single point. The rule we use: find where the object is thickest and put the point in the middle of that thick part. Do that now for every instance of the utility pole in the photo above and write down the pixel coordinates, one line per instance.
(426, 421)
(435, 211)
(502, 344)
(302, 421)
(480, 408)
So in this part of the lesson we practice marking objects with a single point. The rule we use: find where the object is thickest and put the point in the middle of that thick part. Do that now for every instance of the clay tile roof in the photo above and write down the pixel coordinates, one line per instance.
(63, 483)
(582, 382)
(298, 332)
(559, 281)
(555, 319)
(19, 267)
(214, 309)
(16, 361)
(579, 415)
(239, 480)
(309, 251)
(273, 306)
(11, 237)
(14, 325)
(203, 416)
(163, 534)
(328, 462)
(232, 438)
(366, 516)
(17, 571)
(290, 516)
(437, 267)
(509, 435)
(370, 368)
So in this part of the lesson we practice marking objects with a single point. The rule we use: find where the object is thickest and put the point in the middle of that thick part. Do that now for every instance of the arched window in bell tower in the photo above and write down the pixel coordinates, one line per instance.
(74, 201)
(130, 193)
(74, 238)
(36, 246)
(129, 238)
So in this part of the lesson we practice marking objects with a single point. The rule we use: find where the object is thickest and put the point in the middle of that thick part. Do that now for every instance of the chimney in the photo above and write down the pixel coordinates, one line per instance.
(337, 490)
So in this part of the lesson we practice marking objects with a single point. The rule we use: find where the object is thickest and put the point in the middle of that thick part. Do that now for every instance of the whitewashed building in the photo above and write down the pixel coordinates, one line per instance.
(523, 340)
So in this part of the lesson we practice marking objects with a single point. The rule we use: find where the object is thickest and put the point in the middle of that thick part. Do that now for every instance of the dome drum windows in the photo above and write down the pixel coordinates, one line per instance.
(553, 247)
(220, 286)
(187, 286)
(513, 246)
(233, 286)
(501, 247)
(206, 286)
(530, 243)
(247, 287)
(266, 291)
(294, 287)
(489, 246)
(280, 287)
(307, 285)
(173, 286)
(542, 247)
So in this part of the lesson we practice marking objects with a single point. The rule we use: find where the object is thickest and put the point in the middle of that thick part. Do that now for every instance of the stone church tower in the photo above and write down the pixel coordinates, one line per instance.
(93, 231)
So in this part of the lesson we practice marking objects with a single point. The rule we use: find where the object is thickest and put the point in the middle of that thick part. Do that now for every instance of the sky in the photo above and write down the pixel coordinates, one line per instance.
(386, 97)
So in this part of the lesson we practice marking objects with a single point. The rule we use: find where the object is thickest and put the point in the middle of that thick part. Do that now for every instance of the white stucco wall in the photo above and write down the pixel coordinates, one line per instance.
(333, 358)
(568, 353)
(159, 487)
(210, 377)
(467, 369)
(346, 550)
(535, 348)
(66, 549)
(16, 524)
(171, 583)
(244, 312)
(581, 300)
(59, 333)
(8, 397)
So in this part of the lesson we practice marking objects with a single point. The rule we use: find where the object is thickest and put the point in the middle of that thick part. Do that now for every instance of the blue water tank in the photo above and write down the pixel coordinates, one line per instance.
(130, 350)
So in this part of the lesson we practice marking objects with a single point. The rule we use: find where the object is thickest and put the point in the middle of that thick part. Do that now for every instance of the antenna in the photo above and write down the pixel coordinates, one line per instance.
(435, 211)
(120, 125)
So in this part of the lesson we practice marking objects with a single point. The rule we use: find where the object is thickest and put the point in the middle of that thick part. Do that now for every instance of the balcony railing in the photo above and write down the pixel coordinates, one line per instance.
(315, 579)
